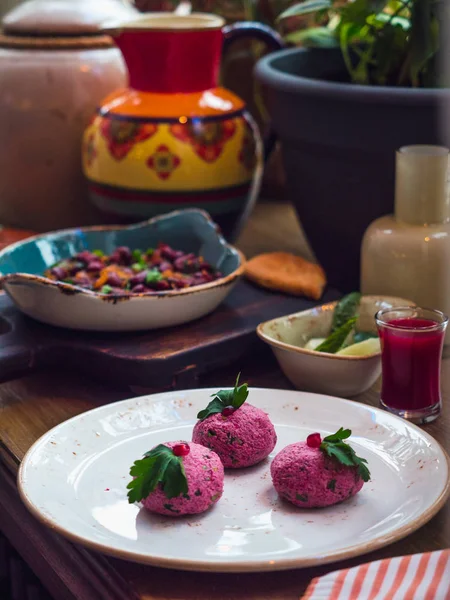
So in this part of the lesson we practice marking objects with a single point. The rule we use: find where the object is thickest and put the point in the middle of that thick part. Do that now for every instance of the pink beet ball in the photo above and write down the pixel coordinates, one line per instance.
(241, 439)
(307, 478)
(204, 474)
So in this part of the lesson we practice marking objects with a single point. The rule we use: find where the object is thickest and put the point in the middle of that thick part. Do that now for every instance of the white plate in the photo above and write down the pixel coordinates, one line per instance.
(74, 480)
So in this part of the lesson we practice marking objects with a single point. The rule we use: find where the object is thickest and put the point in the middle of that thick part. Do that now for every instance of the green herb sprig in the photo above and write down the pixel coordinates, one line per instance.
(153, 275)
(160, 465)
(334, 446)
(223, 398)
(346, 309)
(337, 339)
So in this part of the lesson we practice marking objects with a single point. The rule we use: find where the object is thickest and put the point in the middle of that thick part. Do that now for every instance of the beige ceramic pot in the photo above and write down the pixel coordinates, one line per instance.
(55, 68)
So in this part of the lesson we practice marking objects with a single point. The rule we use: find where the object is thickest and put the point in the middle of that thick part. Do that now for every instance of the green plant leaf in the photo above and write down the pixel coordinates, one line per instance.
(160, 465)
(337, 339)
(235, 398)
(345, 309)
(303, 8)
(380, 19)
(314, 37)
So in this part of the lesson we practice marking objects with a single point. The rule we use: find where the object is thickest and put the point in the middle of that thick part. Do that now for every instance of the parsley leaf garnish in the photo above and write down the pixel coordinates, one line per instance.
(235, 398)
(160, 465)
(335, 447)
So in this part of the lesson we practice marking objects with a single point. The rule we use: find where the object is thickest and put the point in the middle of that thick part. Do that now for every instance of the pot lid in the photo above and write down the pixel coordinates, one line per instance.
(64, 17)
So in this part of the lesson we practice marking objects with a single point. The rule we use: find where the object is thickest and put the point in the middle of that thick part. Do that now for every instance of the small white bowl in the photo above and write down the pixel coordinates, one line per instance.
(322, 372)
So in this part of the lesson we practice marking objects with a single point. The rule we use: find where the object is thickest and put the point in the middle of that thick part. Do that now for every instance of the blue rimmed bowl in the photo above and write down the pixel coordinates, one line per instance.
(22, 266)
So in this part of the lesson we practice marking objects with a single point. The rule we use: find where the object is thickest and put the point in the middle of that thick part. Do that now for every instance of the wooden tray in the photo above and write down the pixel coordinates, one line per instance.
(172, 357)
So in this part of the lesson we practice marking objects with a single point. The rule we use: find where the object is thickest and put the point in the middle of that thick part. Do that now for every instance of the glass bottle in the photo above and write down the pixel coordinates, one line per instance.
(408, 254)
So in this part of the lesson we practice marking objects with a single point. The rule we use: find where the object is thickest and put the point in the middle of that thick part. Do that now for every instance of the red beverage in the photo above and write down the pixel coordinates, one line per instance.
(411, 361)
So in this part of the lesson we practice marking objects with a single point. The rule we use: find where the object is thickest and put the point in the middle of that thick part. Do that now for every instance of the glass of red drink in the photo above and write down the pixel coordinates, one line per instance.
(411, 350)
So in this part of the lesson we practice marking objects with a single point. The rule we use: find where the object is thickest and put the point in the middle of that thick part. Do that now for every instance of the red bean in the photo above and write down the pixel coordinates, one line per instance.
(94, 265)
(207, 276)
(164, 266)
(138, 289)
(169, 253)
(86, 257)
(83, 281)
(162, 285)
(138, 278)
(59, 273)
(124, 254)
(177, 283)
(114, 280)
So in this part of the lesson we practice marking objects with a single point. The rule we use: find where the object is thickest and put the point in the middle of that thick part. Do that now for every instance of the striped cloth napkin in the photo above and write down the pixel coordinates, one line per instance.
(414, 577)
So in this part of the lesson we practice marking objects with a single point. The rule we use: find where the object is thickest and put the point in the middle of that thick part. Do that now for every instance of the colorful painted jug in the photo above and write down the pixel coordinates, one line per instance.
(174, 139)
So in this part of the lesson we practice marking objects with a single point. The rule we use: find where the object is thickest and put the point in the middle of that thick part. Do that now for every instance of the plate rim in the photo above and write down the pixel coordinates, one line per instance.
(245, 566)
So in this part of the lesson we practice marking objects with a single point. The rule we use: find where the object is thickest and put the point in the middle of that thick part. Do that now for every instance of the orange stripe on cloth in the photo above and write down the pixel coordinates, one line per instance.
(378, 580)
(338, 584)
(359, 580)
(399, 577)
(420, 572)
(310, 591)
(419, 577)
(436, 579)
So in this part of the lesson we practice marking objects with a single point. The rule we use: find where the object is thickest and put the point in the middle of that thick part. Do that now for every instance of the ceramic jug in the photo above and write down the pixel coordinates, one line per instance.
(174, 138)
(55, 66)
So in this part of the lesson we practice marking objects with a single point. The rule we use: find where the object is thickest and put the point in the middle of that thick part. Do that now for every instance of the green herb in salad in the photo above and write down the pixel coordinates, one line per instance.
(137, 256)
(152, 276)
(345, 309)
(338, 338)
(362, 336)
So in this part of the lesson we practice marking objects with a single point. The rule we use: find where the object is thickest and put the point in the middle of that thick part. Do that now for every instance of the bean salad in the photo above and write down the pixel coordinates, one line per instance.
(127, 271)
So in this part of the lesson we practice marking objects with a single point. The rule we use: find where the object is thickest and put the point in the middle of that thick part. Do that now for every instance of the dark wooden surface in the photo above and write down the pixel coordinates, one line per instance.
(31, 405)
(162, 358)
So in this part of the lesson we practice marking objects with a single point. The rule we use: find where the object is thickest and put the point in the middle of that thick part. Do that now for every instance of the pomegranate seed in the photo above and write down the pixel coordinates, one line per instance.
(181, 449)
(228, 411)
(314, 440)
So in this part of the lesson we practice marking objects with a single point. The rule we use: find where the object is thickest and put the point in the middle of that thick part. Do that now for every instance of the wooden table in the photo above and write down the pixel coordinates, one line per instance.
(32, 405)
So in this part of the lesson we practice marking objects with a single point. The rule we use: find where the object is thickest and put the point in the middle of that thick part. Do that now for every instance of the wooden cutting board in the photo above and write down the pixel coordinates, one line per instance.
(172, 357)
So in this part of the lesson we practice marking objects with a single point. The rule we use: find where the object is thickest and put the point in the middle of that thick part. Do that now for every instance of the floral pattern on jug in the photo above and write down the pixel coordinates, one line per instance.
(123, 135)
(207, 139)
(163, 162)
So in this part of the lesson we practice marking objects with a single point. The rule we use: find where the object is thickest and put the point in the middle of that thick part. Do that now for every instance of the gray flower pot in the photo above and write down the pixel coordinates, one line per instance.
(338, 144)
